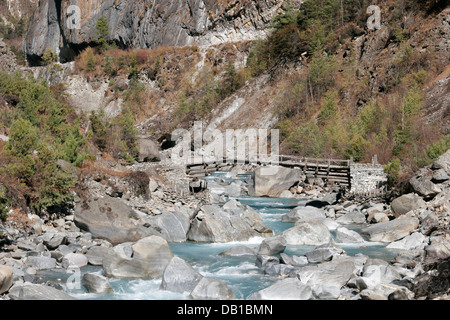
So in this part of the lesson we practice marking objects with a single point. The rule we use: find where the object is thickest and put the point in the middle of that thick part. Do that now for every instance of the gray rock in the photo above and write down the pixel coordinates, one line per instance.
(26, 245)
(310, 233)
(442, 162)
(262, 261)
(413, 241)
(95, 255)
(353, 217)
(109, 218)
(332, 273)
(374, 275)
(173, 226)
(273, 180)
(326, 292)
(324, 253)
(286, 289)
(438, 250)
(179, 276)
(272, 246)
(429, 224)
(304, 214)
(41, 263)
(440, 175)
(96, 283)
(424, 186)
(232, 222)
(278, 270)
(28, 291)
(6, 278)
(146, 258)
(56, 240)
(293, 260)
(212, 289)
(344, 235)
(74, 260)
(406, 203)
(391, 230)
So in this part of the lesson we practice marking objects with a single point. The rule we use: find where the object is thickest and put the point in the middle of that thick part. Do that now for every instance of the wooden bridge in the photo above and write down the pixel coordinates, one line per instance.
(331, 170)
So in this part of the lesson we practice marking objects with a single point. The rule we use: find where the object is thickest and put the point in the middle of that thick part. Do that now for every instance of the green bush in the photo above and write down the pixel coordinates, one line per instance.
(4, 203)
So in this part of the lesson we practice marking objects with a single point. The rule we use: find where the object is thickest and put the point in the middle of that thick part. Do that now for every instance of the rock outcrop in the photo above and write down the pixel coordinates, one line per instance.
(68, 26)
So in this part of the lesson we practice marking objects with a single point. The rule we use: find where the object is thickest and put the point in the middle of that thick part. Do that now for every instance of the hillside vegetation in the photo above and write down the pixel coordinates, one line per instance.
(339, 90)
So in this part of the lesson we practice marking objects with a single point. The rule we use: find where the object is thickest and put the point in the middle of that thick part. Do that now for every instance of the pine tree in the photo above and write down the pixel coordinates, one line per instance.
(102, 30)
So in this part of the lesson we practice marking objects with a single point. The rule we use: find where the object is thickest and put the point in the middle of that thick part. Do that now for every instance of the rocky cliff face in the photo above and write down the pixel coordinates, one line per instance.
(145, 23)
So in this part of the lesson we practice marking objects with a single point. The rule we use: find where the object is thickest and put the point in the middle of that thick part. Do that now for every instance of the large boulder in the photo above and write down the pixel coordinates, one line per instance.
(391, 231)
(109, 218)
(309, 233)
(6, 278)
(179, 276)
(286, 289)
(406, 203)
(231, 222)
(173, 226)
(146, 258)
(272, 181)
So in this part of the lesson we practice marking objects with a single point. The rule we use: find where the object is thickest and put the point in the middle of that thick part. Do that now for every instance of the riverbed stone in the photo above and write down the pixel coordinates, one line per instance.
(309, 233)
(6, 278)
(352, 217)
(179, 276)
(95, 282)
(391, 231)
(146, 258)
(272, 246)
(41, 262)
(324, 253)
(29, 291)
(304, 214)
(336, 272)
(212, 289)
(74, 260)
(344, 235)
(406, 203)
(56, 240)
(95, 255)
(173, 226)
(413, 241)
(231, 222)
(286, 289)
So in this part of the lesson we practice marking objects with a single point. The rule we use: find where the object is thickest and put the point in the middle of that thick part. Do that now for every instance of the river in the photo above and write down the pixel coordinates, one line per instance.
(240, 273)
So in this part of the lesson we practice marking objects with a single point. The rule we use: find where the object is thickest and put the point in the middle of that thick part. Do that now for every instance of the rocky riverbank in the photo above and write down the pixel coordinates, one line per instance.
(128, 236)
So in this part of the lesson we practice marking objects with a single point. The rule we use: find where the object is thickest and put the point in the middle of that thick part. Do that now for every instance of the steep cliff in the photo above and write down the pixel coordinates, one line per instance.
(68, 26)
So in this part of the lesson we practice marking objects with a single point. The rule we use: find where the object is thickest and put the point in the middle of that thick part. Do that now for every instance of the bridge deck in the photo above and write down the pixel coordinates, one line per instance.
(336, 170)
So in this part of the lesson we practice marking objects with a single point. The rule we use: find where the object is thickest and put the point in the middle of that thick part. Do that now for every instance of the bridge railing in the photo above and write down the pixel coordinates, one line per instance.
(265, 159)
